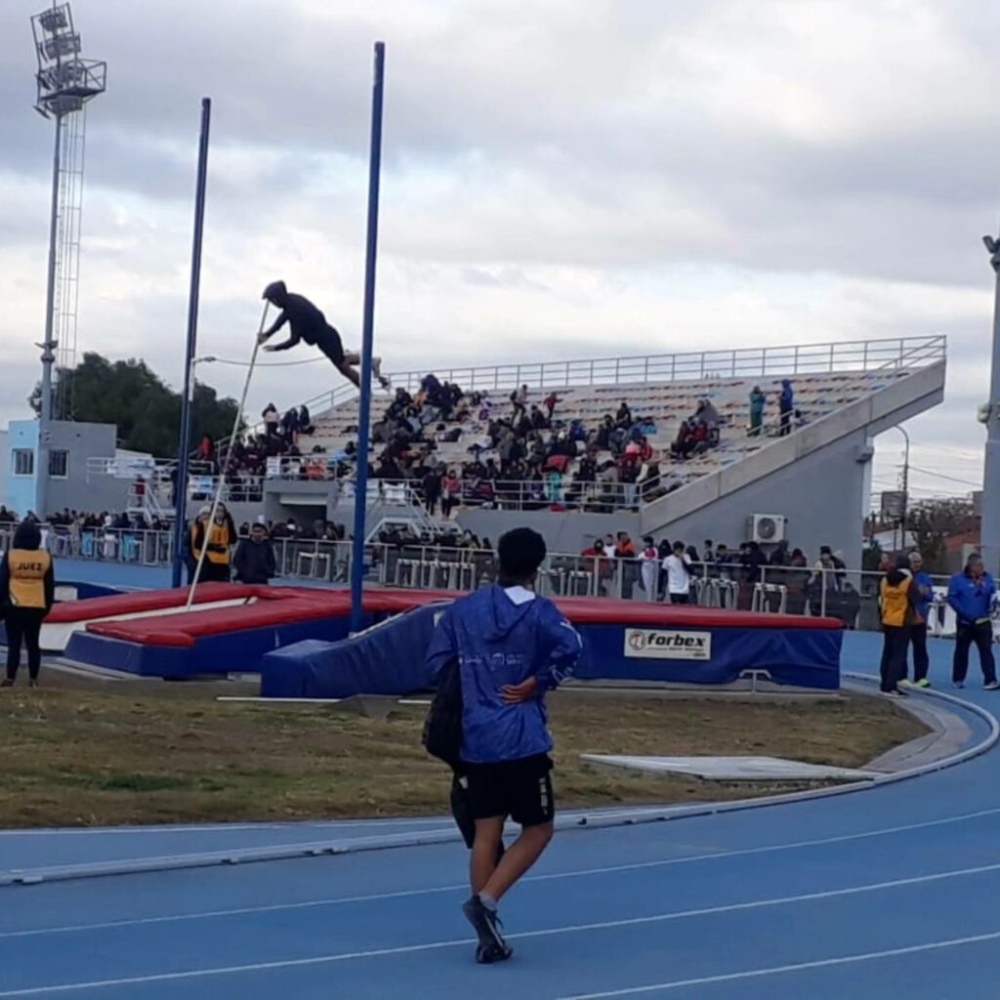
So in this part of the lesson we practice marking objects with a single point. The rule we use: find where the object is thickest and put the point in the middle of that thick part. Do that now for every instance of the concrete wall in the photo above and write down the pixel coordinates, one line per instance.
(77, 490)
(822, 495)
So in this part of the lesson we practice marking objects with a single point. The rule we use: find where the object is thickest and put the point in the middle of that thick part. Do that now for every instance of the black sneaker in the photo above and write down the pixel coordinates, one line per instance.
(6, 683)
(486, 924)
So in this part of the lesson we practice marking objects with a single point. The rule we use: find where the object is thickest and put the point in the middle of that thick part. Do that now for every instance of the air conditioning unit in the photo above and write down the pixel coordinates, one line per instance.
(767, 529)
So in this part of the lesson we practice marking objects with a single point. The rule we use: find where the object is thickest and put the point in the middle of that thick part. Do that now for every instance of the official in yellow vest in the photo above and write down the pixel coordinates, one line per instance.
(217, 539)
(27, 592)
(897, 600)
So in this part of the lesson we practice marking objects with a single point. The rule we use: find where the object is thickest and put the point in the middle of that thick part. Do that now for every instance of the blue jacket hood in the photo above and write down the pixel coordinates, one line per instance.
(499, 640)
(504, 615)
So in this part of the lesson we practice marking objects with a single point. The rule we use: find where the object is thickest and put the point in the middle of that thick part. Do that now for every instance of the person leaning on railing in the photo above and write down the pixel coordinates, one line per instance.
(27, 593)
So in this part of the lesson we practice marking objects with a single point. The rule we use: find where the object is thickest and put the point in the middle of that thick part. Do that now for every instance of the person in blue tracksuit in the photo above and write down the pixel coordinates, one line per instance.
(924, 595)
(512, 646)
(970, 595)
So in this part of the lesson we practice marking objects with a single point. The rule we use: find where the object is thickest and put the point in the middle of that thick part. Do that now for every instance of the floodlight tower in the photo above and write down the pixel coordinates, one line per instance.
(66, 84)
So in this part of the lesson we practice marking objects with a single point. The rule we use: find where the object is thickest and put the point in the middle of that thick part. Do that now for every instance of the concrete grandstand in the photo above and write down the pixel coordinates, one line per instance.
(811, 483)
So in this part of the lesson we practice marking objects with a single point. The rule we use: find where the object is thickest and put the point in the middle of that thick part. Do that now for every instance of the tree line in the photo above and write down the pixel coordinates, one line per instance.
(145, 409)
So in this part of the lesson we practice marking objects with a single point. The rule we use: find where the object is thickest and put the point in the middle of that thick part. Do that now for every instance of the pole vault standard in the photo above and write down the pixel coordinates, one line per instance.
(367, 344)
(184, 445)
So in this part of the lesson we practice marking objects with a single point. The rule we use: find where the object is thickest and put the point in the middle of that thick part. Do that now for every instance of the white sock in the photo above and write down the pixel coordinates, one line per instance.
(488, 901)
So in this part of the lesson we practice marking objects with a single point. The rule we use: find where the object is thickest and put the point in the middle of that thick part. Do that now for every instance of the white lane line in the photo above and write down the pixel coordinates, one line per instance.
(549, 877)
(330, 825)
(777, 970)
(545, 932)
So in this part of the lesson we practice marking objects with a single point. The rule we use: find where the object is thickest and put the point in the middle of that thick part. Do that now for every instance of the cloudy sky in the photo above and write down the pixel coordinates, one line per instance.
(562, 179)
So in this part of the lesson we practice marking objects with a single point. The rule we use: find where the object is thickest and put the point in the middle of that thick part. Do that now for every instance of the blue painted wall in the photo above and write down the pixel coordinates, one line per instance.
(19, 494)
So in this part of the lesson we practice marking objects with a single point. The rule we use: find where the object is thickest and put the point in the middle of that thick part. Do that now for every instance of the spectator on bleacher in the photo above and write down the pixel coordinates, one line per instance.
(757, 403)
(786, 405)
(550, 403)
(678, 568)
(970, 596)
(6, 517)
(685, 442)
(254, 562)
(628, 474)
(539, 421)
(924, 588)
(305, 421)
(649, 483)
(519, 397)
(432, 490)
(707, 414)
(271, 420)
(602, 436)
(451, 493)
(623, 418)
(290, 428)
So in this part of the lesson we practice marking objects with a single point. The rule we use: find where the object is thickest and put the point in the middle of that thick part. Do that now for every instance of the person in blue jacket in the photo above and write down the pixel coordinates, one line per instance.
(512, 646)
(970, 595)
(924, 587)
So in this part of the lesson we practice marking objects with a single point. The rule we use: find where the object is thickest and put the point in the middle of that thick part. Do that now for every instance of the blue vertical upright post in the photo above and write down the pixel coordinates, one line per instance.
(367, 342)
(184, 445)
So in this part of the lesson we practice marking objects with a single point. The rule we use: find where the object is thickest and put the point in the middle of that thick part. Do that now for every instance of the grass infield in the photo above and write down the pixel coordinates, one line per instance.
(77, 753)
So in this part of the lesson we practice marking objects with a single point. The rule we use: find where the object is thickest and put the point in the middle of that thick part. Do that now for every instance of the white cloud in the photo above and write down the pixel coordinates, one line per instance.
(562, 180)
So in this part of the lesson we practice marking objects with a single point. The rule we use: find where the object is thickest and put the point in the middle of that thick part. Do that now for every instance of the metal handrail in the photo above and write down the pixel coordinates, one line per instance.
(814, 359)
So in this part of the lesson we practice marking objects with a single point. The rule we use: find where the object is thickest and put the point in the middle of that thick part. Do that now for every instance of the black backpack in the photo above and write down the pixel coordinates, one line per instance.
(442, 737)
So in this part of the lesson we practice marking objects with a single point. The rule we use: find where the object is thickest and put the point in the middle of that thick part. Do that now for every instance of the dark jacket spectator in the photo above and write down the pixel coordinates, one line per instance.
(254, 562)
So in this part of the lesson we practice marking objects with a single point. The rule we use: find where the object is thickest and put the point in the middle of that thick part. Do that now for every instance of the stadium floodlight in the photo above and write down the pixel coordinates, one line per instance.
(66, 82)
(989, 415)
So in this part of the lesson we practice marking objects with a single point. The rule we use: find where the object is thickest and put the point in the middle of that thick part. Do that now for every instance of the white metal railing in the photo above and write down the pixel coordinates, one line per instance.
(807, 359)
(849, 595)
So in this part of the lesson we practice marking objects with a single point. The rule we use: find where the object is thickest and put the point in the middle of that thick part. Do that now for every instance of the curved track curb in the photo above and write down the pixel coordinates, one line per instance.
(598, 819)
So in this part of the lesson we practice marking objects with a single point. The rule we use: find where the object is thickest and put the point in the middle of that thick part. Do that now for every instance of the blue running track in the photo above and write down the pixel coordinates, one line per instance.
(874, 895)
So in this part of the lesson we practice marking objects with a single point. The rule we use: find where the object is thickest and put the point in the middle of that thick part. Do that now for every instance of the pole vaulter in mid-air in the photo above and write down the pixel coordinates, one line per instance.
(308, 324)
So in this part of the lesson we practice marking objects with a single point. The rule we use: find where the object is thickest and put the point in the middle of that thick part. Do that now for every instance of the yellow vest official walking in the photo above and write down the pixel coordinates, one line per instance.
(896, 599)
(27, 592)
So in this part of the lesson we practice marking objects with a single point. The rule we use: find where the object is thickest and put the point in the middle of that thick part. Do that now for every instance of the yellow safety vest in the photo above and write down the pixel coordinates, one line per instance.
(27, 569)
(216, 534)
(896, 610)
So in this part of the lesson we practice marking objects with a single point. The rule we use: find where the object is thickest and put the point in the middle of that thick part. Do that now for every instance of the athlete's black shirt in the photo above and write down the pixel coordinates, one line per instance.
(305, 321)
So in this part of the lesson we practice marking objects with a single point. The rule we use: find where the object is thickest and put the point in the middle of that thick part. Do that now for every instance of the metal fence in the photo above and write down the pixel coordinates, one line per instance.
(851, 596)
(805, 359)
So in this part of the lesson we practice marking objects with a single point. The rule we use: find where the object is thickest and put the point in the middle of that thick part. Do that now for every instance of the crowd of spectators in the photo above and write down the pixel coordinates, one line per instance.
(521, 452)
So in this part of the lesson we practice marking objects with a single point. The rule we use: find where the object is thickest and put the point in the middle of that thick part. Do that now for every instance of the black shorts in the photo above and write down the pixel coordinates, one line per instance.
(331, 345)
(520, 789)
